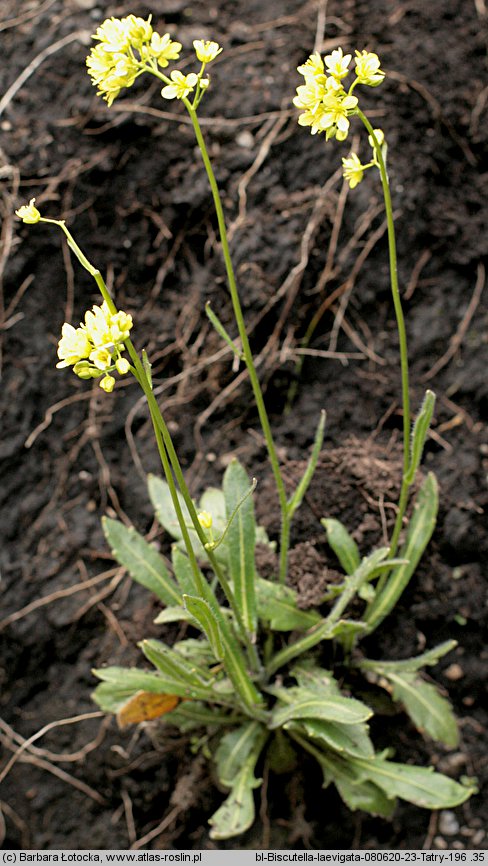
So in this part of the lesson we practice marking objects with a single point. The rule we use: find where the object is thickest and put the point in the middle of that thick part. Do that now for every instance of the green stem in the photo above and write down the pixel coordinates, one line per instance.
(246, 349)
(402, 336)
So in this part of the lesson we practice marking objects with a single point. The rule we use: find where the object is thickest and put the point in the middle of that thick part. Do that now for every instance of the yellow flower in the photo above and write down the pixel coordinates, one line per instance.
(205, 50)
(313, 67)
(120, 325)
(368, 68)
(181, 87)
(28, 213)
(73, 346)
(101, 358)
(114, 35)
(107, 384)
(338, 64)
(163, 49)
(335, 117)
(138, 30)
(352, 170)
(110, 72)
(97, 326)
(122, 366)
(205, 519)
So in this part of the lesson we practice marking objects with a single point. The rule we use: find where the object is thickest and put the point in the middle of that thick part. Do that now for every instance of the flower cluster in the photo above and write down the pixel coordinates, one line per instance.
(327, 106)
(94, 349)
(127, 47)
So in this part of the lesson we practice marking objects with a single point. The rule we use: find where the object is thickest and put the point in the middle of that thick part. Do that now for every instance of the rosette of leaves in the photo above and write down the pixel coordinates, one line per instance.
(253, 687)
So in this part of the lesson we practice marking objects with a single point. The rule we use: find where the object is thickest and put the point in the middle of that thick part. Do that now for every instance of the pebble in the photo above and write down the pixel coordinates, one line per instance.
(448, 823)
(454, 672)
(440, 843)
(245, 139)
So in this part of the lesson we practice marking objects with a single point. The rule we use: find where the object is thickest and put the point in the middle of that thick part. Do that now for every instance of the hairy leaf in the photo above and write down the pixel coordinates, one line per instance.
(308, 704)
(142, 561)
(342, 543)
(277, 606)
(241, 541)
(430, 713)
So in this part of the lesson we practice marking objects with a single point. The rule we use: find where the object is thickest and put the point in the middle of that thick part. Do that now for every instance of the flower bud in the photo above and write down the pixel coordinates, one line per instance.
(107, 384)
(122, 366)
(205, 519)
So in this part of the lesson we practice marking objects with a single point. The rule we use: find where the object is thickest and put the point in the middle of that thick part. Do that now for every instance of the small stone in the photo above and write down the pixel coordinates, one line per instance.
(454, 672)
(439, 842)
(245, 139)
(448, 823)
(478, 838)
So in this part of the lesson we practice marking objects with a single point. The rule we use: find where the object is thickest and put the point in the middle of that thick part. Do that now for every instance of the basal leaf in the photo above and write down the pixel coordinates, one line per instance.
(419, 785)
(342, 543)
(200, 610)
(308, 704)
(241, 541)
(418, 536)
(413, 664)
(236, 814)
(430, 713)
(277, 606)
(347, 739)
(132, 680)
(234, 749)
(169, 662)
(142, 561)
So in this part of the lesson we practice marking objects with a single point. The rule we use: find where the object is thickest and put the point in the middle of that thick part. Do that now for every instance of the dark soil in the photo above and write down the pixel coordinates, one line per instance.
(133, 190)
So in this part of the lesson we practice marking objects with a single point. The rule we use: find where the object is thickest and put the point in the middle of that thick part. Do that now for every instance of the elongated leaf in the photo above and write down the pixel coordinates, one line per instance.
(297, 498)
(236, 814)
(419, 435)
(142, 561)
(347, 739)
(356, 790)
(195, 648)
(277, 606)
(201, 611)
(241, 541)
(342, 543)
(131, 680)
(173, 614)
(307, 704)
(419, 785)
(190, 715)
(226, 647)
(419, 533)
(169, 662)
(430, 713)
(234, 749)
(183, 571)
(429, 657)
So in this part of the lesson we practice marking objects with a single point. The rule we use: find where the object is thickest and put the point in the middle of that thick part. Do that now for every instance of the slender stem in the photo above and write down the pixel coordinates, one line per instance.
(402, 336)
(246, 349)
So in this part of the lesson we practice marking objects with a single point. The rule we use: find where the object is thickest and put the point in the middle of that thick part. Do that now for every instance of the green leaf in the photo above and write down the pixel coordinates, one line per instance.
(297, 498)
(183, 571)
(132, 680)
(356, 791)
(195, 648)
(160, 496)
(147, 367)
(419, 785)
(308, 704)
(430, 713)
(173, 614)
(169, 662)
(241, 542)
(221, 331)
(110, 697)
(419, 533)
(342, 543)
(413, 664)
(189, 715)
(236, 814)
(348, 739)
(419, 435)
(277, 606)
(234, 749)
(142, 561)
(225, 648)
(201, 611)
(236, 762)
